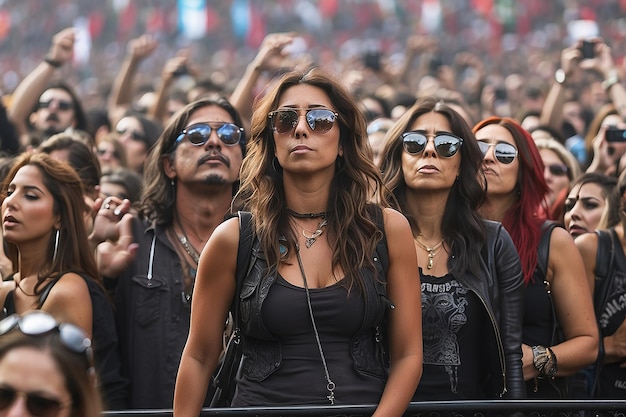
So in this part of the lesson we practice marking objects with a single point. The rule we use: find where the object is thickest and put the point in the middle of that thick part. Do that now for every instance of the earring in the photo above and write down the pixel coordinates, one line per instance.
(56, 246)
(172, 182)
(275, 163)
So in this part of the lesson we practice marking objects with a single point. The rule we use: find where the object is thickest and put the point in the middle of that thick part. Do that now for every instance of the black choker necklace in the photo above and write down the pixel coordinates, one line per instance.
(306, 215)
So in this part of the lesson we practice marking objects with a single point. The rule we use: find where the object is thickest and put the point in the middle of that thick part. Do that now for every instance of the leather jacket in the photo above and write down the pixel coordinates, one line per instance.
(261, 351)
(500, 289)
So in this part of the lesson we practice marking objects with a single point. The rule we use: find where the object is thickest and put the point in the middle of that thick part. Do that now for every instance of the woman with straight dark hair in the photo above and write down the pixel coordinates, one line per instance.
(469, 269)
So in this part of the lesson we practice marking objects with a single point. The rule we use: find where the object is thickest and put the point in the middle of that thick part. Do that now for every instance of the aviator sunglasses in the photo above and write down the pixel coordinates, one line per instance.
(319, 120)
(37, 323)
(446, 144)
(503, 151)
(198, 134)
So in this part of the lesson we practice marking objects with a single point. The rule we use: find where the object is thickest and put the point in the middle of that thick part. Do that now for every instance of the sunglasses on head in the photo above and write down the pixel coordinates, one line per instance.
(37, 323)
(558, 170)
(503, 151)
(285, 120)
(37, 405)
(446, 143)
(198, 134)
(61, 104)
(135, 135)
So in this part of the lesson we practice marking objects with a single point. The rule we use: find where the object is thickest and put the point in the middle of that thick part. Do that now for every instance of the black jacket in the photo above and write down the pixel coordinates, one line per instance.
(501, 290)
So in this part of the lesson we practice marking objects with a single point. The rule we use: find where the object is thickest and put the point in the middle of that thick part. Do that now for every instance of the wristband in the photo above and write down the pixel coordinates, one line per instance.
(52, 62)
(610, 81)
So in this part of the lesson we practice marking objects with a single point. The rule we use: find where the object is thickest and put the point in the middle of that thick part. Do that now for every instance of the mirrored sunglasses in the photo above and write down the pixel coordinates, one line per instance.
(285, 120)
(63, 105)
(503, 151)
(37, 323)
(198, 134)
(36, 404)
(558, 170)
(446, 144)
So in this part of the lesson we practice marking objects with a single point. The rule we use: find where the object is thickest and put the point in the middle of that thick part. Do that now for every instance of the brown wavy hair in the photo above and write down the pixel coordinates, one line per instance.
(73, 253)
(352, 233)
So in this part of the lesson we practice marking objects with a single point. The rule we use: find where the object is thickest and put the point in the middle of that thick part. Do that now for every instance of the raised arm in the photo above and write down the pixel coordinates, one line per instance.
(268, 57)
(179, 65)
(122, 88)
(552, 110)
(28, 91)
(213, 292)
(405, 320)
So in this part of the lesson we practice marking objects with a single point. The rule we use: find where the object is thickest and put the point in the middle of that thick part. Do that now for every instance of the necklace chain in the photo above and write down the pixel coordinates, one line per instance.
(188, 248)
(432, 250)
(306, 215)
(330, 385)
(310, 240)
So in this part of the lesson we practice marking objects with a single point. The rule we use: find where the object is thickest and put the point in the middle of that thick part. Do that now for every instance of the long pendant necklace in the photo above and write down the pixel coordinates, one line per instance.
(330, 385)
(310, 240)
(184, 241)
(432, 251)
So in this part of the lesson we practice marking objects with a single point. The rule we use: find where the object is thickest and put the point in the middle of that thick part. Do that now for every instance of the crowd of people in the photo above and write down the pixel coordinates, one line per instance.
(420, 230)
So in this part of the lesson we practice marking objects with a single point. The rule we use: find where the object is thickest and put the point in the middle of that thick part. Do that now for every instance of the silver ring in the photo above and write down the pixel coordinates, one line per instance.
(107, 206)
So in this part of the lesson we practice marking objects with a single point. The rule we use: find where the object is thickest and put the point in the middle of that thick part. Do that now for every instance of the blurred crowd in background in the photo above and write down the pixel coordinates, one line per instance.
(222, 36)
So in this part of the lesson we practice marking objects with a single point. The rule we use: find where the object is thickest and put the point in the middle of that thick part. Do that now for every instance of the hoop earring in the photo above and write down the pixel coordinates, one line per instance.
(56, 246)
(276, 165)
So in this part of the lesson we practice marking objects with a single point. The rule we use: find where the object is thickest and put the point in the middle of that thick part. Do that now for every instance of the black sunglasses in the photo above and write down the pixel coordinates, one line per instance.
(133, 134)
(61, 104)
(503, 151)
(36, 404)
(285, 120)
(446, 143)
(558, 170)
(102, 152)
(198, 134)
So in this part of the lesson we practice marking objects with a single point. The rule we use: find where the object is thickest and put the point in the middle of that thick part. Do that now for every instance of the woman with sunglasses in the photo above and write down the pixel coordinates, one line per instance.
(560, 169)
(46, 368)
(53, 266)
(469, 269)
(559, 335)
(311, 338)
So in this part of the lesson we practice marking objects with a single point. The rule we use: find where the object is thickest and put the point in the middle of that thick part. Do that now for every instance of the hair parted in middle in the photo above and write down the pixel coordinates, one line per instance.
(356, 183)
(461, 226)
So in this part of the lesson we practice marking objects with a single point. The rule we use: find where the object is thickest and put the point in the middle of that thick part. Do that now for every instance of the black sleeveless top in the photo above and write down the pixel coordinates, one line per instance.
(301, 377)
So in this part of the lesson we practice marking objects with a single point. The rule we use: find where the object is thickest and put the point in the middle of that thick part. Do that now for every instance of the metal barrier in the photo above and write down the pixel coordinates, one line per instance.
(531, 408)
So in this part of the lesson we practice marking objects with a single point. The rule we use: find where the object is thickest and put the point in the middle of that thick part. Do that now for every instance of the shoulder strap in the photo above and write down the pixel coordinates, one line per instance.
(606, 252)
(543, 250)
(244, 255)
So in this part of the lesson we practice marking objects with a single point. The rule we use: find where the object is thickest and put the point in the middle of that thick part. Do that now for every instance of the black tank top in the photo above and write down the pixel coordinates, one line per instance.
(301, 378)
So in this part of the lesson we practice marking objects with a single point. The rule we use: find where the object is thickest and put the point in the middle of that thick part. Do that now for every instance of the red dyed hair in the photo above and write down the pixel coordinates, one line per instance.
(525, 218)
